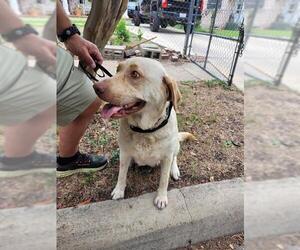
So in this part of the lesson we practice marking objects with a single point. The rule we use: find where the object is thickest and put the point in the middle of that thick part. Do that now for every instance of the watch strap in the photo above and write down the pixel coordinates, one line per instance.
(68, 32)
(18, 33)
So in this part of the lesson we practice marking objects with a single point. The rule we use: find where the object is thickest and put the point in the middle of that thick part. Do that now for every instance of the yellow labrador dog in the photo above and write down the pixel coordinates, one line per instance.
(145, 98)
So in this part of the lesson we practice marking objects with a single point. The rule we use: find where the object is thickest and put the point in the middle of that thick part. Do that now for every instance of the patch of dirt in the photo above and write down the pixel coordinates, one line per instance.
(211, 112)
(272, 132)
(277, 242)
(233, 242)
(28, 190)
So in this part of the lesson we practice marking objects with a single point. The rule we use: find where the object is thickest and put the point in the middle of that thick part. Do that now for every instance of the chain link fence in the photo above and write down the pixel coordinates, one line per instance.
(209, 32)
(217, 38)
(272, 39)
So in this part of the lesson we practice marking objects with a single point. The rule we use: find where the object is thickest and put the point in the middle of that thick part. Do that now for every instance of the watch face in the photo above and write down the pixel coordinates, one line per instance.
(19, 32)
(68, 32)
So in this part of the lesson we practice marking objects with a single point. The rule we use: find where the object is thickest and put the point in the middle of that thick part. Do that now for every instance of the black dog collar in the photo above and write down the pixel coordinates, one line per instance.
(151, 130)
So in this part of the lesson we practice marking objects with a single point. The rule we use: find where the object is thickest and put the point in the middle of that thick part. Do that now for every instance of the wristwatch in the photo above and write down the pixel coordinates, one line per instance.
(68, 32)
(18, 33)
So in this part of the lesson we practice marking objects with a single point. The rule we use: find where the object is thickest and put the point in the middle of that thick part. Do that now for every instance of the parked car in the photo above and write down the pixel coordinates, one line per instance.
(132, 7)
(161, 13)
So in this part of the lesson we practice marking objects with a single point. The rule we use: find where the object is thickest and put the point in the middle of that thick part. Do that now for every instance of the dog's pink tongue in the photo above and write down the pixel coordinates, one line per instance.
(108, 111)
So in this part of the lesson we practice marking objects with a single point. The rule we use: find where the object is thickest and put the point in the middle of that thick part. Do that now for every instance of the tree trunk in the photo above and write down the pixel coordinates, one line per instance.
(103, 19)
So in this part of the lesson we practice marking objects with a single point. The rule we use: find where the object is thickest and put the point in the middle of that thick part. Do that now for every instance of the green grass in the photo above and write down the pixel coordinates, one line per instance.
(41, 21)
(276, 33)
(115, 156)
(88, 178)
(226, 33)
(35, 21)
(214, 82)
(272, 33)
(79, 21)
(228, 143)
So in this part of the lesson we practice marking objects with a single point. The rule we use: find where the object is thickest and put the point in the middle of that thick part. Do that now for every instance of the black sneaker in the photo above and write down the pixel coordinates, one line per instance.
(35, 162)
(80, 163)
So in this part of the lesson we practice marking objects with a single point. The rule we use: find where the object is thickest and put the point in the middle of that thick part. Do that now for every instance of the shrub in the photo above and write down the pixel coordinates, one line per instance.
(123, 35)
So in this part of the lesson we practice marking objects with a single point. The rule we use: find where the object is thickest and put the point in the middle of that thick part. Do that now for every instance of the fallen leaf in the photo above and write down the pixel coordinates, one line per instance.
(88, 201)
(44, 202)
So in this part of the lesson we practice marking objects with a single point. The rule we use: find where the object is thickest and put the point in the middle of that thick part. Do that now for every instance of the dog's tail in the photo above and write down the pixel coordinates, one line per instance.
(186, 136)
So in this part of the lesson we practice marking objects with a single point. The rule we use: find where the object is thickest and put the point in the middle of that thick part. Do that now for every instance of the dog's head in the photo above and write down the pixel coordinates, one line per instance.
(140, 85)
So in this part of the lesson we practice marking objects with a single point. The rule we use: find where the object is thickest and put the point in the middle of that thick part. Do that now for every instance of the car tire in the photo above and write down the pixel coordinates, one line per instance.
(154, 22)
(136, 19)
(185, 28)
(164, 24)
(129, 14)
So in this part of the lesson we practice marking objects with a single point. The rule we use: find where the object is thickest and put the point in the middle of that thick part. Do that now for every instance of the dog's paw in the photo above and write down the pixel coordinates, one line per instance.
(161, 201)
(175, 174)
(117, 193)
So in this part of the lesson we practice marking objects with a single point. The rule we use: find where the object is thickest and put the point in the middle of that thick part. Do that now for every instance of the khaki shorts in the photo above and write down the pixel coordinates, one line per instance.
(75, 91)
(32, 91)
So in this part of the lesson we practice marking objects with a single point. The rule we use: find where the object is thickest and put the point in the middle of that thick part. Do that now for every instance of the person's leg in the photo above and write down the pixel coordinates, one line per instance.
(19, 139)
(70, 135)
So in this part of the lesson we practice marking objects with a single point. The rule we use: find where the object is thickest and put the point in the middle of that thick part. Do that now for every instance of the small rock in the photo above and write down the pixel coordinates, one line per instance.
(211, 179)
(164, 56)
(174, 58)
(138, 52)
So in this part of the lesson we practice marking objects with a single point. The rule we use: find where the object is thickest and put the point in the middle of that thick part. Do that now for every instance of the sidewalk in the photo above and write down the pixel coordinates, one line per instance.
(180, 71)
(185, 71)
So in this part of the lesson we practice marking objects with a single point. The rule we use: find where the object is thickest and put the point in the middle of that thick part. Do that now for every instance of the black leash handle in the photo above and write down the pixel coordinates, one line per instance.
(104, 70)
(98, 66)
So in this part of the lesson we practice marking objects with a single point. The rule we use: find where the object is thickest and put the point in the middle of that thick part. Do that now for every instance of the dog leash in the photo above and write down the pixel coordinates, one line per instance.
(91, 76)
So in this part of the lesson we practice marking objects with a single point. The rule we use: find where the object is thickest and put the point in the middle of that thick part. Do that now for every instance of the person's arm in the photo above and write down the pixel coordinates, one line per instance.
(86, 51)
(31, 44)
(8, 19)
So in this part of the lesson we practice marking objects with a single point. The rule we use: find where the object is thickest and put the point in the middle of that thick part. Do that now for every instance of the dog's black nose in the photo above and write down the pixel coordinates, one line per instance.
(98, 89)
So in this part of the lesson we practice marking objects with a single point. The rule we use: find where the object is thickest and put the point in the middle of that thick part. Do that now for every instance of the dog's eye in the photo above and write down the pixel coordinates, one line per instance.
(135, 74)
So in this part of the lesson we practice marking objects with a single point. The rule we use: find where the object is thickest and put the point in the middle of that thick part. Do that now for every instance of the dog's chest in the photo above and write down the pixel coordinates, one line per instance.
(147, 150)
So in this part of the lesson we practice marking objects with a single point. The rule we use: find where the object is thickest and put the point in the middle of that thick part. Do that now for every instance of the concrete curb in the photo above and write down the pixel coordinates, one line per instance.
(195, 213)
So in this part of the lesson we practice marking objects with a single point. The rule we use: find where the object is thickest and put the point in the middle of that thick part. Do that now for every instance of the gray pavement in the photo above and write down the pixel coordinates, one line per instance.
(179, 71)
(272, 208)
(31, 228)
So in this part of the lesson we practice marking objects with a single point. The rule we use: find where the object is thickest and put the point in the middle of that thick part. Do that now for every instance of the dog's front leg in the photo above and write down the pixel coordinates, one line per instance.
(161, 200)
(118, 192)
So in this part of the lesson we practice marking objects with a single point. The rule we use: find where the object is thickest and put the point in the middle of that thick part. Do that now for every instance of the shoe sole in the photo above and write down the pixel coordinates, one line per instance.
(18, 173)
(62, 174)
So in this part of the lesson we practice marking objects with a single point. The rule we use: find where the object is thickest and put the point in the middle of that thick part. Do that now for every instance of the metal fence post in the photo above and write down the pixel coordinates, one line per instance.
(251, 21)
(211, 32)
(291, 48)
(189, 27)
(237, 53)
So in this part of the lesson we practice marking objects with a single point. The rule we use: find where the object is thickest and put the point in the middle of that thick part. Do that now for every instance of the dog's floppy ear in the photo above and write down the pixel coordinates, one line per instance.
(174, 93)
